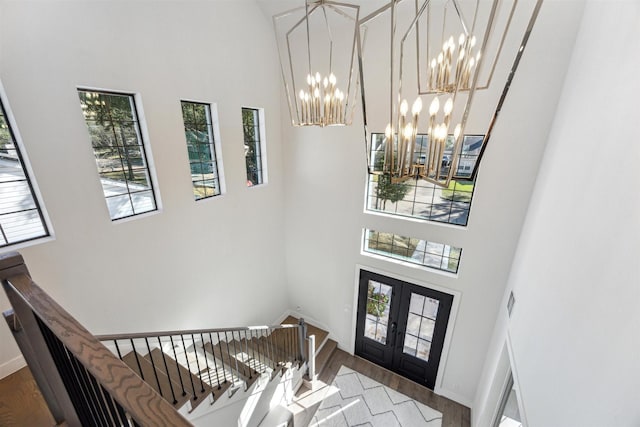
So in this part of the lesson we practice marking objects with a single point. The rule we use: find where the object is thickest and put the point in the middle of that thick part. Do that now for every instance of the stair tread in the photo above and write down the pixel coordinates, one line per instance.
(324, 354)
(222, 353)
(238, 352)
(133, 359)
(180, 375)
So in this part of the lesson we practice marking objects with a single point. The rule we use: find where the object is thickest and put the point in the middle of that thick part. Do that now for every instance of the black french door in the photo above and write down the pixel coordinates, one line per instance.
(401, 326)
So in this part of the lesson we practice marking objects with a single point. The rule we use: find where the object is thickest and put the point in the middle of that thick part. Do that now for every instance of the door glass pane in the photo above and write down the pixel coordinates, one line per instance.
(430, 307)
(378, 306)
(420, 326)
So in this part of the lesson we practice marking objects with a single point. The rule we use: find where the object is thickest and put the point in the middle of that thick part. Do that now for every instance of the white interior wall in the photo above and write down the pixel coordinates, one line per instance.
(573, 333)
(326, 175)
(214, 262)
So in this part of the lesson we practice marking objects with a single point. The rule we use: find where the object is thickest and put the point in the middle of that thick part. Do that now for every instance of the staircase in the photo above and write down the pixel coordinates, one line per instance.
(225, 374)
(225, 377)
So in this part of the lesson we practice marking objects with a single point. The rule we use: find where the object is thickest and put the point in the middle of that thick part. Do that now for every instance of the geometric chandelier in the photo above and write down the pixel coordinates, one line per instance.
(447, 52)
(319, 50)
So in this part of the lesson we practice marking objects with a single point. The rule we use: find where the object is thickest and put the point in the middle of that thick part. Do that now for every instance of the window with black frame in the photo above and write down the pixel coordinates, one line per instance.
(252, 146)
(418, 198)
(21, 217)
(116, 138)
(203, 163)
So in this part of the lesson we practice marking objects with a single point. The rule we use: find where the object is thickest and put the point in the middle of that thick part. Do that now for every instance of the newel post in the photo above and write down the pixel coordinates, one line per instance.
(302, 336)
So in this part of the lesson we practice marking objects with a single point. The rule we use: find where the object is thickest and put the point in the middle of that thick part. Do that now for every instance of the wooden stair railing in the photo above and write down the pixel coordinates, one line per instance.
(83, 383)
(201, 365)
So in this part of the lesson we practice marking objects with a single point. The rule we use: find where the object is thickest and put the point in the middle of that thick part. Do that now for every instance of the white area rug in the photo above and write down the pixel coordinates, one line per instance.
(360, 401)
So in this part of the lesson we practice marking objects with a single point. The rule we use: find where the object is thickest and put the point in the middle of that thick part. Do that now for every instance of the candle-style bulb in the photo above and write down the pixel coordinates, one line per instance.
(387, 131)
(451, 44)
(408, 131)
(417, 107)
(318, 77)
(332, 78)
(404, 107)
(456, 132)
(309, 79)
(461, 39)
(433, 63)
(325, 82)
(448, 106)
(440, 58)
(301, 94)
(434, 107)
(316, 93)
(473, 41)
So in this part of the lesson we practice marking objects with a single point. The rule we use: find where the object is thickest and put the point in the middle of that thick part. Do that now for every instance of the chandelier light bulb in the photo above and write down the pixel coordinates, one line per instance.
(404, 107)
(388, 131)
(316, 93)
(325, 82)
(309, 79)
(448, 106)
(434, 107)
(408, 131)
(301, 95)
(461, 39)
(318, 77)
(456, 132)
(473, 41)
(417, 107)
(332, 79)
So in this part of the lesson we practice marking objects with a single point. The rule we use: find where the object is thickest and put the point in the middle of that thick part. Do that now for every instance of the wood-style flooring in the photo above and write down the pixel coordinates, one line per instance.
(21, 403)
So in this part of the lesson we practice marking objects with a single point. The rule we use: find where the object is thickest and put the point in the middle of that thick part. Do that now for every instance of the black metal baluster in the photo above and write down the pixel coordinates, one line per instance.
(215, 363)
(108, 400)
(117, 349)
(195, 351)
(121, 413)
(99, 398)
(166, 369)
(224, 370)
(249, 358)
(226, 344)
(77, 368)
(235, 353)
(64, 369)
(206, 361)
(184, 349)
(175, 357)
(153, 366)
(256, 362)
(135, 354)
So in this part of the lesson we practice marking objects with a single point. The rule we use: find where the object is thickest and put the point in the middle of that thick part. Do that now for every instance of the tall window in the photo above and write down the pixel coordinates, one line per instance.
(418, 198)
(252, 146)
(21, 217)
(117, 143)
(198, 129)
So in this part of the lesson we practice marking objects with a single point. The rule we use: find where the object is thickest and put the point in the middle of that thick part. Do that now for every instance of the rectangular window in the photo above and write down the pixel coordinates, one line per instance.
(21, 218)
(120, 154)
(253, 146)
(416, 251)
(198, 129)
(418, 198)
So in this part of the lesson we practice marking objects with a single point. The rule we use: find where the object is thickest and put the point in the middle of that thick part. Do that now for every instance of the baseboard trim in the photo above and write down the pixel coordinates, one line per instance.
(12, 366)
(453, 396)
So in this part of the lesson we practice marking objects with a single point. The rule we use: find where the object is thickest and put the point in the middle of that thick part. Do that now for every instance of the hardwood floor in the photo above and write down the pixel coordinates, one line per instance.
(454, 414)
(21, 403)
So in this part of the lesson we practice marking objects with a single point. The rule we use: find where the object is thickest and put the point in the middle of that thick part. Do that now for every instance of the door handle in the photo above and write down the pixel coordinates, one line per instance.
(392, 329)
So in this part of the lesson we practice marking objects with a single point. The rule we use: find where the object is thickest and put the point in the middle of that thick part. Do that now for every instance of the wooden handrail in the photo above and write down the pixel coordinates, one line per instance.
(137, 398)
(126, 336)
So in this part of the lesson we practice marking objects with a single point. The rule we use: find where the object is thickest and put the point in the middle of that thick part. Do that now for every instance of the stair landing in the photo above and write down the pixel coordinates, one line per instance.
(321, 334)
